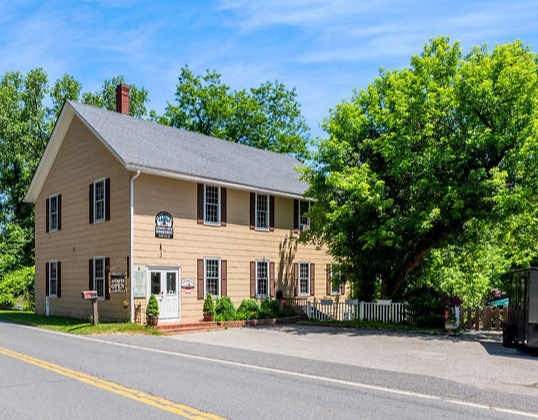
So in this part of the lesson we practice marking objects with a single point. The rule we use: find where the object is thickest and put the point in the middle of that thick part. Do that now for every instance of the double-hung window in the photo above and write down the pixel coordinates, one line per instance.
(212, 277)
(53, 278)
(262, 212)
(262, 279)
(304, 279)
(53, 213)
(211, 205)
(335, 289)
(99, 277)
(304, 221)
(99, 200)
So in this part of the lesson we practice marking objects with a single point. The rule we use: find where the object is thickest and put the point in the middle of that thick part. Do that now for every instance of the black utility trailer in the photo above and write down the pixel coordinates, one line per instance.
(522, 327)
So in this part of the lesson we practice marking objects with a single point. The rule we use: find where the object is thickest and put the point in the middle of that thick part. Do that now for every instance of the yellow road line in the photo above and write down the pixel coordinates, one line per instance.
(157, 402)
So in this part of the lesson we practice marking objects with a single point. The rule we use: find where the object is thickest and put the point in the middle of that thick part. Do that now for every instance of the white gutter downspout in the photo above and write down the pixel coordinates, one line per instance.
(131, 246)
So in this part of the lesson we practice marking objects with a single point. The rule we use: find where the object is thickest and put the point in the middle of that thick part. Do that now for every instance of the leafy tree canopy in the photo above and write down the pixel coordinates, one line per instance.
(268, 117)
(26, 122)
(423, 154)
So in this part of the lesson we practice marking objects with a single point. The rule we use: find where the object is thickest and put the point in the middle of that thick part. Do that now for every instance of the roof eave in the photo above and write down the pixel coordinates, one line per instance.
(205, 180)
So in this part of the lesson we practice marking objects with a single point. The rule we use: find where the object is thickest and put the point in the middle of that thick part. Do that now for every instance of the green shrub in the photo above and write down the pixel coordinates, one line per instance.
(18, 286)
(152, 310)
(288, 309)
(224, 309)
(427, 307)
(249, 309)
(270, 308)
(209, 306)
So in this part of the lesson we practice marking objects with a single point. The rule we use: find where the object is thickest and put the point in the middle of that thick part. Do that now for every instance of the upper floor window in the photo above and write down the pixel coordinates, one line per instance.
(262, 212)
(211, 205)
(99, 200)
(304, 221)
(53, 213)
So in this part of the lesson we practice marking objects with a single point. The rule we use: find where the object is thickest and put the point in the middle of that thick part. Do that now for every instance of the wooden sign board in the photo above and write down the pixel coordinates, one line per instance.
(117, 282)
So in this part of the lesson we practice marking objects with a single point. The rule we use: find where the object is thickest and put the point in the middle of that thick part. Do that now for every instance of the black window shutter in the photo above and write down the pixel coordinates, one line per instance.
(91, 205)
(296, 216)
(200, 207)
(252, 210)
(272, 213)
(59, 282)
(59, 204)
(107, 280)
(47, 206)
(47, 279)
(90, 283)
(223, 216)
(107, 199)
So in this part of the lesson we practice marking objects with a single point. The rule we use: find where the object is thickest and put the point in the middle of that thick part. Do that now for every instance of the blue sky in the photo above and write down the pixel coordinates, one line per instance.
(322, 48)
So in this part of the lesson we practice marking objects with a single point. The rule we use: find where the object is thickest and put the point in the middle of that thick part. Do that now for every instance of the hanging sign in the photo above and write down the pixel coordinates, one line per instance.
(164, 225)
(139, 281)
(187, 283)
(117, 282)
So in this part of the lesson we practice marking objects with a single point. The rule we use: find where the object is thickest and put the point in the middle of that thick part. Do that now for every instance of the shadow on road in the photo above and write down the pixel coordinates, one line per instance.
(497, 349)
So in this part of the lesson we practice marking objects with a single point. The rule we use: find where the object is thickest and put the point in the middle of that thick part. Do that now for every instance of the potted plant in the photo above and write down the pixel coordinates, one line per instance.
(209, 308)
(451, 312)
(152, 311)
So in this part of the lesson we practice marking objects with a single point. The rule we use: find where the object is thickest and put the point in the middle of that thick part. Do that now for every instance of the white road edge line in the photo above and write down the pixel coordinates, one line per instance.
(295, 374)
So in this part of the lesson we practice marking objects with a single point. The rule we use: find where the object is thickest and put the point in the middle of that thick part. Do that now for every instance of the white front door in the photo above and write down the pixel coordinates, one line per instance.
(164, 285)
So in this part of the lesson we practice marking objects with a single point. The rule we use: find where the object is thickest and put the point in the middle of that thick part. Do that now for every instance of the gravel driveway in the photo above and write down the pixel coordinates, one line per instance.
(475, 359)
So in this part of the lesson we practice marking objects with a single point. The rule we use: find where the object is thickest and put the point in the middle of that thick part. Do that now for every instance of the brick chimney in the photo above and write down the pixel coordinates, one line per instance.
(122, 98)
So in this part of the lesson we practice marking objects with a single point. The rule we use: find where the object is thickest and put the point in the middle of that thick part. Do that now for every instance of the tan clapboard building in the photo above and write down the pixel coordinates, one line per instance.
(123, 202)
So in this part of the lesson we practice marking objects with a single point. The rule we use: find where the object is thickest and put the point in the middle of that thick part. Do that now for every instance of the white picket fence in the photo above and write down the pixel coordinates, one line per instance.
(328, 310)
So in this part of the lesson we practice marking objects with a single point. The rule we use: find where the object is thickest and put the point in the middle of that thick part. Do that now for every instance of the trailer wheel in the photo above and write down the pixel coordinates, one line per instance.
(509, 335)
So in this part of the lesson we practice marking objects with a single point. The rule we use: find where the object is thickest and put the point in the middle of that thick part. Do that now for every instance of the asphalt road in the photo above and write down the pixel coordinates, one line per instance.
(46, 375)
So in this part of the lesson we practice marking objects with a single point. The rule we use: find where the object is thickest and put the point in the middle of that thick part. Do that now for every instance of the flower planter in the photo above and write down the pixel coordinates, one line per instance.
(153, 321)
(209, 317)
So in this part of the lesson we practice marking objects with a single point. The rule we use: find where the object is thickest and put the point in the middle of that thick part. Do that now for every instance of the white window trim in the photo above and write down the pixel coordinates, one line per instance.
(51, 229)
(104, 279)
(299, 279)
(50, 278)
(217, 223)
(205, 276)
(95, 219)
(339, 292)
(258, 295)
(256, 227)
(302, 227)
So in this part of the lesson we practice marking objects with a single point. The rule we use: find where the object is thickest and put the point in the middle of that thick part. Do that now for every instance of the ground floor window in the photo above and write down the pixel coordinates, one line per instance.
(53, 278)
(99, 276)
(212, 277)
(262, 279)
(304, 279)
(335, 289)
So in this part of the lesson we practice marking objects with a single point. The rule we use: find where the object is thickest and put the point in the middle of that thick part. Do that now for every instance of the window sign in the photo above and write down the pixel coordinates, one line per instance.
(117, 283)
(164, 225)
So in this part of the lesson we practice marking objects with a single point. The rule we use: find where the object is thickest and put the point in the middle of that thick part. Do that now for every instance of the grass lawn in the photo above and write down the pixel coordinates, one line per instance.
(72, 325)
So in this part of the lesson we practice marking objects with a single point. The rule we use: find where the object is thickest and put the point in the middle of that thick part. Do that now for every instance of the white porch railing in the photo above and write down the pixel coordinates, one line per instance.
(327, 310)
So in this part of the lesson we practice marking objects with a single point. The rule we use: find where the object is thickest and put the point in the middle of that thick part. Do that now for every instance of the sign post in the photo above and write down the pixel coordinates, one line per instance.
(91, 295)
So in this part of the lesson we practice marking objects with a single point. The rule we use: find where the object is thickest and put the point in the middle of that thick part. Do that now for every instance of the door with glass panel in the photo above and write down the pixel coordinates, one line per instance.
(164, 284)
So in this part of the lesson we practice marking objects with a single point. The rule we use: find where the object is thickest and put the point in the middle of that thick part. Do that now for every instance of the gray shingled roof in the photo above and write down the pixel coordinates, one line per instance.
(144, 143)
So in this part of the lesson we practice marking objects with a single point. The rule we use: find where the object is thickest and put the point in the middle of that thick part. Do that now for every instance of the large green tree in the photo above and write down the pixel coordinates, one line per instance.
(422, 154)
(267, 117)
(29, 107)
